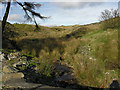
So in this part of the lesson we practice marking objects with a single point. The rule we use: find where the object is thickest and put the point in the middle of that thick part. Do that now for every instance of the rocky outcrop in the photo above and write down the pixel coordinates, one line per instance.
(20, 71)
(12, 77)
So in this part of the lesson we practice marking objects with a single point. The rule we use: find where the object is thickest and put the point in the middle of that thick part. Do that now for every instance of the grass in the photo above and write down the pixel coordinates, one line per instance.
(91, 51)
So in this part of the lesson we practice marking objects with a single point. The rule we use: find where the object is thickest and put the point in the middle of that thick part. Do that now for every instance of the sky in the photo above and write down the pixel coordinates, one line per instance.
(63, 12)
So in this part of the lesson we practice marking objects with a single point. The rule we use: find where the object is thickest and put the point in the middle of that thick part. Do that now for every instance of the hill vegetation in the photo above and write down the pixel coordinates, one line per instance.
(92, 52)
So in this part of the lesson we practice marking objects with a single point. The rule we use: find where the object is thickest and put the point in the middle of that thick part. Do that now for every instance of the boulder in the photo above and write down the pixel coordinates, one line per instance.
(8, 69)
(0, 78)
(67, 36)
(8, 76)
(23, 58)
(20, 63)
(9, 73)
(2, 57)
(22, 84)
(115, 84)
(14, 55)
(66, 77)
(36, 68)
(62, 68)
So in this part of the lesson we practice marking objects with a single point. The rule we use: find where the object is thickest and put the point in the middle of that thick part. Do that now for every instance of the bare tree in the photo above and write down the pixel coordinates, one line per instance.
(111, 19)
(108, 14)
(27, 7)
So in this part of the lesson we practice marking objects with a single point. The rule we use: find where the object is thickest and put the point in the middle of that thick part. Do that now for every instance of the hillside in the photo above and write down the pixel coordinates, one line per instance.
(90, 51)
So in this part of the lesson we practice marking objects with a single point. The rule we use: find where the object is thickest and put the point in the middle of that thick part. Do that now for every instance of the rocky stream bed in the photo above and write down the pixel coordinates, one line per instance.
(13, 77)
(29, 78)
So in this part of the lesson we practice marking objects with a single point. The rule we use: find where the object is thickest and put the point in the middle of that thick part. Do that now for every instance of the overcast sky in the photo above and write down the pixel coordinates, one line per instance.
(68, 12)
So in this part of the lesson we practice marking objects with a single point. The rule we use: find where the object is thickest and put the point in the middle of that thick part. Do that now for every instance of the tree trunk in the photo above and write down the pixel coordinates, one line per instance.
(6, 15)
(37, 27)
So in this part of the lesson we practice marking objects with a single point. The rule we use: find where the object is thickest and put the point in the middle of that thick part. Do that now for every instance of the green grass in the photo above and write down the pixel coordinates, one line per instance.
(91, 51)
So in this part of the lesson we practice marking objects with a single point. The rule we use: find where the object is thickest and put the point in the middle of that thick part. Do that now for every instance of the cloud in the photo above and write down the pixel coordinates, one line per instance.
(119, 7)
(69, 0)
(1, 7)
(78, 4)
(79, 0)
(16, 17)
(48, 24)
(67, 5)
(61, 16)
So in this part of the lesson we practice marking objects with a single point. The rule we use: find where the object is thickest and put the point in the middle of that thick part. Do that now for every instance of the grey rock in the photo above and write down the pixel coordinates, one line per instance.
(19, 63)
(21, 83)
(14, 55)
(11, 57)
(62, 69)
(8, 69)
(23, 58)
(67, 77)
(8, 76)
(2, 57)
(114, 84)
(36, 68)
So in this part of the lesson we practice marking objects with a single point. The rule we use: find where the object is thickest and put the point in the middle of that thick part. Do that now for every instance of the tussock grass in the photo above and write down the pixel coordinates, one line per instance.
(91, 51)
